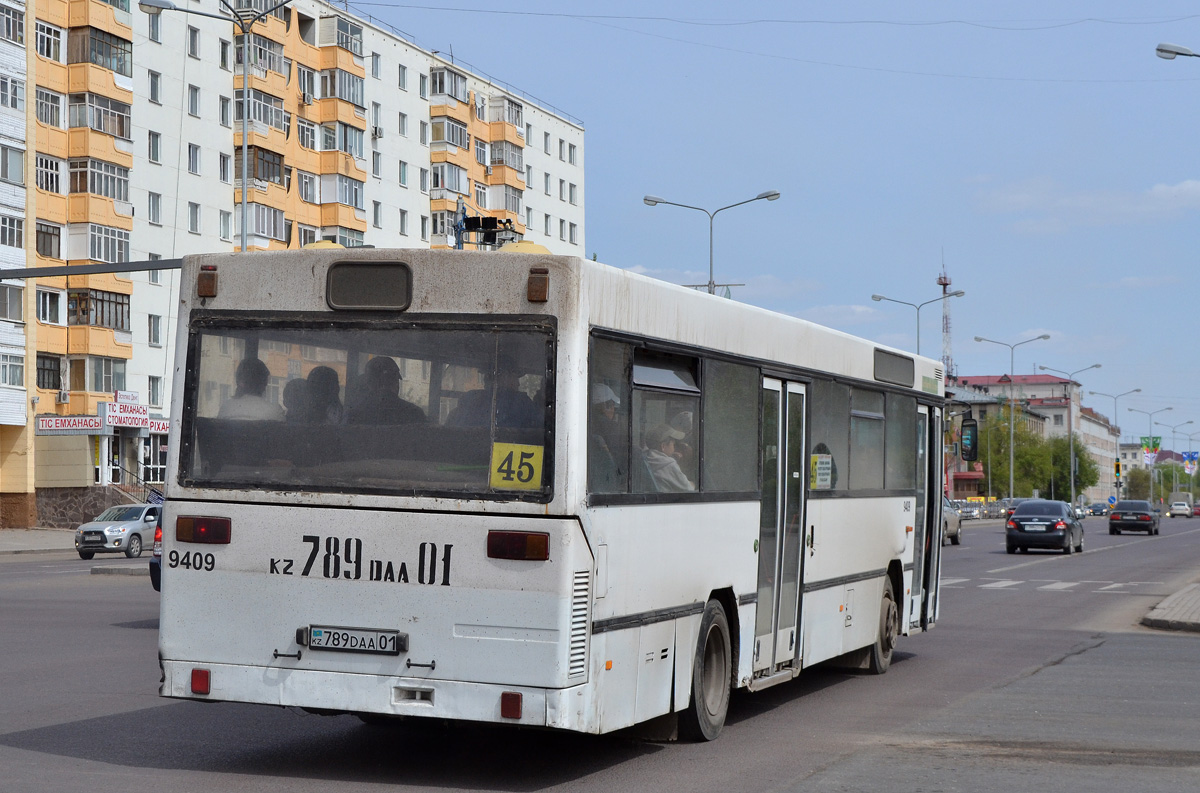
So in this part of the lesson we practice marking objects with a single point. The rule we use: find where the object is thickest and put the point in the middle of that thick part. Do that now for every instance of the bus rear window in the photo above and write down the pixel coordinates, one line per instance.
(364, 407)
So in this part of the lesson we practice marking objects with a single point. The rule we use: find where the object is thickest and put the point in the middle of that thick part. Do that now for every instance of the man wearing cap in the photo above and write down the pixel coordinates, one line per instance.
(660, 458)
(608, 445)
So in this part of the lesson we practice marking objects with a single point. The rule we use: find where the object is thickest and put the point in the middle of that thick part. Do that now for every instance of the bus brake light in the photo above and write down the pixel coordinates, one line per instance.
(201, 682)
(510, 705)
(206, 281)
(532, 546)
(212, 531)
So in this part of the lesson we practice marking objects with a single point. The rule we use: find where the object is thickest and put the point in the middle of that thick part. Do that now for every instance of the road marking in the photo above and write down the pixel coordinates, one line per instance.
(953, 581)
(1000, 584)
(1059, 586)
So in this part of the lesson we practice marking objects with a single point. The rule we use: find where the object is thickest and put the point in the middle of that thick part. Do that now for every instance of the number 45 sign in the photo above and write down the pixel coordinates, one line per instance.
(516, 466)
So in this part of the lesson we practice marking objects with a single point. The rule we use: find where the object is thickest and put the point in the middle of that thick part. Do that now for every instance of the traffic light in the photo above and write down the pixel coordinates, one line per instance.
(1117, 469)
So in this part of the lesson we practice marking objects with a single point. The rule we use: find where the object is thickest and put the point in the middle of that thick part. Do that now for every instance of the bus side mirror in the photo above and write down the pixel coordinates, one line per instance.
(969, 440)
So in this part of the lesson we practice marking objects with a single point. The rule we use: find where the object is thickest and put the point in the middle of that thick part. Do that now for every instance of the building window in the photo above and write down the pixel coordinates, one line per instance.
(481, 195)
(512, 199)
(572, 234)
(264, 54)
(546, 225)
(193, 41)
(306, 81)
(12, 370)
(377, 214)
(153, 146)
(193, 158)
(562, 229)
(404, 222)
(226, 225)
(424, 180)
(349, 238)
(193, 94)
(403, 124)
(224, 168)
(49, 108)
(12, 25)
(403, 80)
(481, 152)
(349, 36)
(98, 309)
(49, 240)
(154, 276)
(266, 221)
(306, 134)
(107, 244)
(528, 217)
(154, 208)
(225, 111)
(546, 142)
(308, 235)
(528, 175)
(101, 114)
(307, 186)
(155, 397)
(265, 108)
(154, 331)
(154, 29)
(1058, 420)
(92, 45)
(423, 138)
(12, 165)
(266, 166)
(343, 85)
(350, 191)
(403, 174)
(12, 93)
(225, 62)
(342, 137)
(448, 176)
(562, 149)
(425, 227)
(100, 178)
(48, 174)
(10, 303)
(49, 372)
(193, 217)
(108, 375)
(571, 153)
(12, 231)
(155, 87)
(546, 183)
(424, 88)
(376, 64)
(376, 164)
(571, 194)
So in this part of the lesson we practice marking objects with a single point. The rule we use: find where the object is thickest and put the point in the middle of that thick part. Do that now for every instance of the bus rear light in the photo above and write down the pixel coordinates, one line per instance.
(212, 531)
(510, 705)
(537, 288)
(206, 281)
(201, 682)
(533, 546)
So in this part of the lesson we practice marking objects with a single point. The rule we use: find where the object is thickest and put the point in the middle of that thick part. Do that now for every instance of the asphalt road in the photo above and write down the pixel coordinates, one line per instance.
(1037, 677)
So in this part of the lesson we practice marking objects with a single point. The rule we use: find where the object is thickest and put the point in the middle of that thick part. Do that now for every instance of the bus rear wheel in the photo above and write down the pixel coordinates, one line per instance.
(712, 676)
(889, 630)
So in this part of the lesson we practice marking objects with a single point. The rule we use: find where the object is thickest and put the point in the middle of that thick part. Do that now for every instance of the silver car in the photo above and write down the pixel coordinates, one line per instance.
(951, 523)
(124, 529)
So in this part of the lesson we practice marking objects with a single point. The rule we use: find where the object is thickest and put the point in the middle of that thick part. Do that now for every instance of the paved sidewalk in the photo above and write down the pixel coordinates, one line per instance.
(36, 540)
(1179, 612)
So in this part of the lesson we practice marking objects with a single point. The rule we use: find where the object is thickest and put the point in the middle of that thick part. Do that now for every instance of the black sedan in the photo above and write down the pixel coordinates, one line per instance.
(1133, 516)
(1044, 524)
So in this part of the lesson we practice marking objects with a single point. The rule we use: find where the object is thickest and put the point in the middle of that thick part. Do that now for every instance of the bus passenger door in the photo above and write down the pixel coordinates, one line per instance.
(927, 530)
(777, 629)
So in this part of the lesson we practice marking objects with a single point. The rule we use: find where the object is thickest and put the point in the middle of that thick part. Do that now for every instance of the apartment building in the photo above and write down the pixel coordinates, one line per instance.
(122, 137)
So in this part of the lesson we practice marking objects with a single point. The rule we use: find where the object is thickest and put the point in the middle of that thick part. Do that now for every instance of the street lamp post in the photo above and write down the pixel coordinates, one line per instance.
(1117, 459)
(653, 200)
(1012, 418)
(1174, 449)
(1070, 420)
(1149, 439)
(918, 307)
(244, 19)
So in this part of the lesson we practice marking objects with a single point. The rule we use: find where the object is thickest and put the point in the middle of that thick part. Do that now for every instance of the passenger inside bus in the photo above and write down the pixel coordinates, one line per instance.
(513, 408)
(248, 401)
(380, 401)
(609, 441)
(660, 459)
(295, 399)
(323, 404)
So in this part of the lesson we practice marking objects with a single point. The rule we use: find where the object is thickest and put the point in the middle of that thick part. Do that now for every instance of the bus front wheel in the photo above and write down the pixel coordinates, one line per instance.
(712, 675)
(889, 630)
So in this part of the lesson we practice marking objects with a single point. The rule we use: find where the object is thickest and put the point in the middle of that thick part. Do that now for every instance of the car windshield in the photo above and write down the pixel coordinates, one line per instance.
(1133, 506)
(121, 513)
(369, 405)
(1046, 509)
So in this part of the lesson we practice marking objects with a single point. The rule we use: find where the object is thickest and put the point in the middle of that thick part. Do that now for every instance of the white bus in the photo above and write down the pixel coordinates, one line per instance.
(529, 489)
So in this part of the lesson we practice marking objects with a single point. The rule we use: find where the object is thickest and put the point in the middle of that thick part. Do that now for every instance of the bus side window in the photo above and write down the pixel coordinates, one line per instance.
(730, 427)
(829, 435)
(608, 418)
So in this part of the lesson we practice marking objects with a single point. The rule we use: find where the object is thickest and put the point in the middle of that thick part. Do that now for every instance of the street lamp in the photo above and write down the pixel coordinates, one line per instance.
(244, 18)
(653, 200)
(1117, 459)
(1168, 52)
(1174, 449)
(1149, 439)
(1070, 415)
(1012, 419)
(918, 307)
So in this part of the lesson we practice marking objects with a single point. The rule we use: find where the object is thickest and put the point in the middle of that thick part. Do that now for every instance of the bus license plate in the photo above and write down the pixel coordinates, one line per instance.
(357, 640)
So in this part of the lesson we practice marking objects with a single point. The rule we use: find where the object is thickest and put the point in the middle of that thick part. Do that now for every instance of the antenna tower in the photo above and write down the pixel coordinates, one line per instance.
(947, 359)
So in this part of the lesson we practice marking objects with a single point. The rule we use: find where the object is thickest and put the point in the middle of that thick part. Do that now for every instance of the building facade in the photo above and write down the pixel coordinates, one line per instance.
(122, 136)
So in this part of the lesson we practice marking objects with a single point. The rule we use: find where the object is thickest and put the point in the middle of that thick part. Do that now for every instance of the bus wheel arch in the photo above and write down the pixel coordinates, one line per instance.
(879, 656)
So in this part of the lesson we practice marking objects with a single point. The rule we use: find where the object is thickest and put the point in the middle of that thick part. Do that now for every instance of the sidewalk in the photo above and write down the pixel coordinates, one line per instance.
(36, 540)
(1179, 612)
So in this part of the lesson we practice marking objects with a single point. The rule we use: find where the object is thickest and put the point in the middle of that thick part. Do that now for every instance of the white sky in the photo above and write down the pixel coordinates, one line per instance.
(1041, 146)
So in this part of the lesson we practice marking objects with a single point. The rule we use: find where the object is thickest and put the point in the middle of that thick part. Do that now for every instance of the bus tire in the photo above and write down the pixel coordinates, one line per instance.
(712, 677)
(889, 630)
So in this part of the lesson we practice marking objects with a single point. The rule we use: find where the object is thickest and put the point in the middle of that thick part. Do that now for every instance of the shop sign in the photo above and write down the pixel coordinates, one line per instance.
(69, 425)
(125, 414)
(160, 426)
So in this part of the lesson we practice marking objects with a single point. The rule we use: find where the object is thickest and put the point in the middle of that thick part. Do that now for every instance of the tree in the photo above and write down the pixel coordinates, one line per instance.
(1058, 483)
(1137, 485)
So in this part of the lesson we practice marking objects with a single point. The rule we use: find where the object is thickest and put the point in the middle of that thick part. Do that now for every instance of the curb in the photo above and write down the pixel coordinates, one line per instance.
(113, 570)
(38, 550)
(1178, 612)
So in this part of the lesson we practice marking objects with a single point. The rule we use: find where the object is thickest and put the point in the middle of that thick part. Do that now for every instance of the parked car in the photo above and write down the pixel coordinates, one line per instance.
(156, 557)
(1011, 504)
(1098, 509)
(951, 522)
(994, 509)
(1179, 508)
(1043, 524)
(123, 529)
(1080, 512)
(1196, 509)
(1133, 516)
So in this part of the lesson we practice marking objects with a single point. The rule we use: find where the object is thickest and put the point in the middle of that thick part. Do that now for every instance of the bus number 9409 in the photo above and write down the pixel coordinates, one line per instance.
(192, 561)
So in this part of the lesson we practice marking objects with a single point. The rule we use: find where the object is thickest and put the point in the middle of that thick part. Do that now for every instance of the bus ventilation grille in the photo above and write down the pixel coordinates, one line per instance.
(937, 375)
(580, 597)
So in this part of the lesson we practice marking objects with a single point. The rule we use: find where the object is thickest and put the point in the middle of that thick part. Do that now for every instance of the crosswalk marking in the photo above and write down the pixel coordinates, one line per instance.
(1000, 584)
(1048, 585)
(1058, 586)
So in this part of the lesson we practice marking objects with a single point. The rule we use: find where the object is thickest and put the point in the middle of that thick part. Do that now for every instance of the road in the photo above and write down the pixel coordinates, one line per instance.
(1038, 677)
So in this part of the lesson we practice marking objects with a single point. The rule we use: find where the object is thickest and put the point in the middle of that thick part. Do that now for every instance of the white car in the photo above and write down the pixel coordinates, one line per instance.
(123, 529)
(1180, 508)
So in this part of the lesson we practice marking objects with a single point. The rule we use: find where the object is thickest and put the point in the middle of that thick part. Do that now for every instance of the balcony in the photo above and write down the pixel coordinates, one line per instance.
(89, 208)
(100, 15)
(92, 79)
(90, 340)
